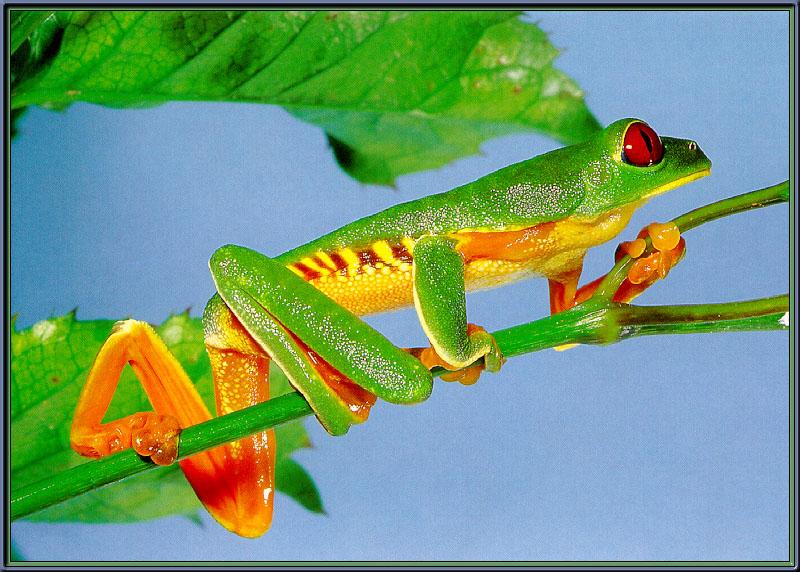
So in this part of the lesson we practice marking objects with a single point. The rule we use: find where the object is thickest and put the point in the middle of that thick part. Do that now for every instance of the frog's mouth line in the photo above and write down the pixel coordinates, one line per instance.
(678, 182)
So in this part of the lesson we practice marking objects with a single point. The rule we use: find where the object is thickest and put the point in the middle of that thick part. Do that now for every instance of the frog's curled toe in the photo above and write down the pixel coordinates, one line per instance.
(668, 248)
(155, 436)
(149, 434)
(492, 358)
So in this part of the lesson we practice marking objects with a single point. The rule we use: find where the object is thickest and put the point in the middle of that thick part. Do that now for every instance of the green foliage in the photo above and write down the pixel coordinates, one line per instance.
(396, 92)
(49, 363)
(23, 25)
(297, 483)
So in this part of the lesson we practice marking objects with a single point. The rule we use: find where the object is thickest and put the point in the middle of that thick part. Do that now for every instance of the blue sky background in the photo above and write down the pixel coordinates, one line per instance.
(659, 448)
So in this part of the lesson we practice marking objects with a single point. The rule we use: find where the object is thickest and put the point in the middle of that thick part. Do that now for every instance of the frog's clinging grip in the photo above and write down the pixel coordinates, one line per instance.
(440, 300)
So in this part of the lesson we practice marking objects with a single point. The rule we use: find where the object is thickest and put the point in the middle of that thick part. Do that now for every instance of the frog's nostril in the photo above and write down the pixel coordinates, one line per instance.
(692, 146)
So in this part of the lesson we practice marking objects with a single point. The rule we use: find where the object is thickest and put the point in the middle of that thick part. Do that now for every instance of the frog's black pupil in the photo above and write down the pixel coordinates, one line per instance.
(647, 140)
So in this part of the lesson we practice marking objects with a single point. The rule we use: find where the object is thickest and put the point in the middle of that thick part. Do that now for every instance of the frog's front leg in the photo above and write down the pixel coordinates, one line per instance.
(439, 297)
(337, 361)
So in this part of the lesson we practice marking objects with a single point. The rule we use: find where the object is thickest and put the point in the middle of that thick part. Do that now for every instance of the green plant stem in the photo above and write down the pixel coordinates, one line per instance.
(596, 321)
(592, 322)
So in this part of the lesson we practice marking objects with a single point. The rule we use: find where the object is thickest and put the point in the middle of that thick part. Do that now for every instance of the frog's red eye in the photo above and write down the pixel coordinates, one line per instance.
(641, 146)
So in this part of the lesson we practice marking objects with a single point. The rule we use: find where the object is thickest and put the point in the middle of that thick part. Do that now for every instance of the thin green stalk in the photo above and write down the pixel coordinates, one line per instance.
(592, 322)
(599, 321)
(596, 321)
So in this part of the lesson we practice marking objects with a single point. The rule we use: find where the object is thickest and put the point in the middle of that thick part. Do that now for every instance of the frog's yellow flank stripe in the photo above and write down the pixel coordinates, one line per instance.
(350, 257)
(363, 279)
(305, 272)
(313, 265)
(296, 270)
(384, 252)
(381, 255)
(327, 261)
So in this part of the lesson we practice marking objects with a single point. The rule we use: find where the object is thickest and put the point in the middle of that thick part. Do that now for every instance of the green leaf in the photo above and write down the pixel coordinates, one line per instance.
(295, 481)
(395, 91)
(35, 39)
(49, 363)
(23, 23)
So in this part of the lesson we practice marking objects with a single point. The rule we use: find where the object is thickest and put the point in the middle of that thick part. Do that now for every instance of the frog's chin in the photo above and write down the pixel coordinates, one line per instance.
(677, 183)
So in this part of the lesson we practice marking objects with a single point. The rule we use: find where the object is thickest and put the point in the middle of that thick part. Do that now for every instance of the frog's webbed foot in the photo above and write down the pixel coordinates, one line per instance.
(668, 249)
(155, 436)
(492, 361)
(149, 434)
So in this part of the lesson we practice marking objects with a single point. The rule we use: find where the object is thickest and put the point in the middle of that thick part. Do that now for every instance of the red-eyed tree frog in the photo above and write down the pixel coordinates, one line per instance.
(536, 217)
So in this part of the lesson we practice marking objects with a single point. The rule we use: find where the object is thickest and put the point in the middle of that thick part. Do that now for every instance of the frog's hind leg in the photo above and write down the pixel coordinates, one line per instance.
(342, 402)
(234, 481)
(241, 492)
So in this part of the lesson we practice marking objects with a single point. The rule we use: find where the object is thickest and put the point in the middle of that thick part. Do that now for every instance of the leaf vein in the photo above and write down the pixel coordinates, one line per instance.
(458, 75)
(332, 65)
(105, 54)
(272, 60)
(221, 32)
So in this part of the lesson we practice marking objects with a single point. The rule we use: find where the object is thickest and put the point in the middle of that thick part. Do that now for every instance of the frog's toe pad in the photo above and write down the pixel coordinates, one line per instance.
(155, 436)
(651, 265)
(633, 248)
(663, 236)
(431, 359)
(493, 358)
(657, 265)
(467, 376)
(102, 442)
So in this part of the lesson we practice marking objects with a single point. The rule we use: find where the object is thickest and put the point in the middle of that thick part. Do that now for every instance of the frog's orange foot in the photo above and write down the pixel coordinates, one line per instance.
(430, 358)
(149, 434)
(155, 436)
(650, 266)
(467, 376)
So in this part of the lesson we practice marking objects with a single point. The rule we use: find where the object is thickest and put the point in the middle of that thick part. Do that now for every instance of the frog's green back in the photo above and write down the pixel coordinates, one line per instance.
(519, 195)
(585, 180)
